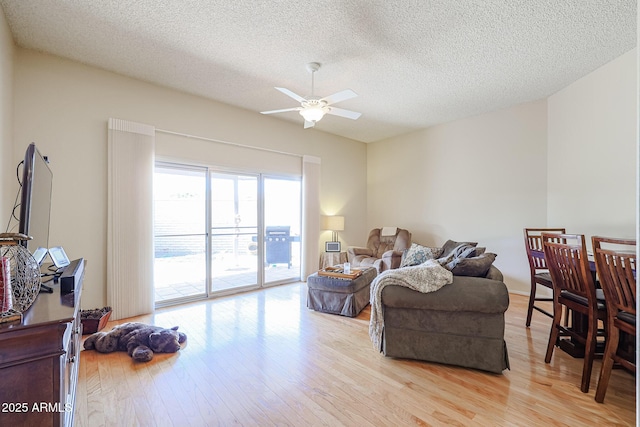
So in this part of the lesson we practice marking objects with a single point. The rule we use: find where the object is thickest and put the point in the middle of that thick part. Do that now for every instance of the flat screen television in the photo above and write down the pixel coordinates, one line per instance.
(35, 202)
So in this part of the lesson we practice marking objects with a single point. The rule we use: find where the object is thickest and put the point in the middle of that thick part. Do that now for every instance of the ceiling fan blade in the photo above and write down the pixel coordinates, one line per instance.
(308, 124)
(280, 111)
(344, 113)
(340, 96)
(291, 94)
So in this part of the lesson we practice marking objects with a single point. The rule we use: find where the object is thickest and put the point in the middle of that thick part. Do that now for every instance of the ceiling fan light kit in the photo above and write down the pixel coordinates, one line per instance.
(313, 111)
(313, 108)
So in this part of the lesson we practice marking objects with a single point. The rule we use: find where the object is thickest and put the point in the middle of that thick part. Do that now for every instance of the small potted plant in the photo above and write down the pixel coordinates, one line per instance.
(94, 320)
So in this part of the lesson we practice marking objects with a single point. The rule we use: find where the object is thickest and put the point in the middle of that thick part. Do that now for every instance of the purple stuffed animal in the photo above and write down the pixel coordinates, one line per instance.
(139, 340)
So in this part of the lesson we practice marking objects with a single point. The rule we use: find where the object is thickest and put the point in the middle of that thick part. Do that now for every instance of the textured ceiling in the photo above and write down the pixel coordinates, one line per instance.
(413, 63)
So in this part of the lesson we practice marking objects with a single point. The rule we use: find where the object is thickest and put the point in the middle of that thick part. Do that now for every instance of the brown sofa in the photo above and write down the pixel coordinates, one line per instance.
(382, 252)
(461, 324)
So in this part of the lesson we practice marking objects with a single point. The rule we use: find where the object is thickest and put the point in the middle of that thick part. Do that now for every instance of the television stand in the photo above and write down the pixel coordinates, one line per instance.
(39, 361)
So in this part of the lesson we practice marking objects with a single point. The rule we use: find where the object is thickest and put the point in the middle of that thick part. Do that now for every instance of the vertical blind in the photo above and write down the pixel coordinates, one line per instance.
(130, 218)
(310, 214)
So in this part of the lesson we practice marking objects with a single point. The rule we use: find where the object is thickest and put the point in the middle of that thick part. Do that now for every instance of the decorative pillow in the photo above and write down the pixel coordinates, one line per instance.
(461, 252)
(450, 245)
(417, 254)
(476, 266)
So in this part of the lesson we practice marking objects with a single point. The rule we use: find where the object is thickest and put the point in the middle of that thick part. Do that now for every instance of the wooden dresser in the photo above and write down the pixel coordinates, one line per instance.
(39, 360)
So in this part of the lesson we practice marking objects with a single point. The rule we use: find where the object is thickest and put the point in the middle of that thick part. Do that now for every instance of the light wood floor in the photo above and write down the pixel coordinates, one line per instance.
(263, 358)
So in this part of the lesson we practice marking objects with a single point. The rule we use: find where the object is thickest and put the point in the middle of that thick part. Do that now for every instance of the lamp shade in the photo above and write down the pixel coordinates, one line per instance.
(333, 222)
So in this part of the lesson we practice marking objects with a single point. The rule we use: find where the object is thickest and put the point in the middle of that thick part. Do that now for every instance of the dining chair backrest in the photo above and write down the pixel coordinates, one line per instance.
(616, 267)
(566, 256)
(533, 243)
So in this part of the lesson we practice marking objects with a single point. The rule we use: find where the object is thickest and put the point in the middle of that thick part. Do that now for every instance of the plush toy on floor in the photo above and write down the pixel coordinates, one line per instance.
(139, 340)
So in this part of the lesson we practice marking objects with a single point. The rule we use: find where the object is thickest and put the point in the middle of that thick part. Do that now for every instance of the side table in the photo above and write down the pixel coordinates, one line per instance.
(329, 259)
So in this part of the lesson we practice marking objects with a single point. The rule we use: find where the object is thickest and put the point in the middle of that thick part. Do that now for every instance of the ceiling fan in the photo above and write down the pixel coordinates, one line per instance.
(312, 107)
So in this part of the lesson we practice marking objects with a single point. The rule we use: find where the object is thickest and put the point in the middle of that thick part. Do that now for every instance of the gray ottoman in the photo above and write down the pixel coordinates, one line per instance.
(340, 296)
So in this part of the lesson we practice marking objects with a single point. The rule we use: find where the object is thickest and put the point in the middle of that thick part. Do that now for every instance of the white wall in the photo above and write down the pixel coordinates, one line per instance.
(592, 152)
(63, 106)
(7, 167)
(568, 161)
(479, 179)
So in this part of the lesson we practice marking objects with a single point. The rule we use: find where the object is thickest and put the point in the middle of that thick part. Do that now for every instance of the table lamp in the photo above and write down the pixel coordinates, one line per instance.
(334, 223)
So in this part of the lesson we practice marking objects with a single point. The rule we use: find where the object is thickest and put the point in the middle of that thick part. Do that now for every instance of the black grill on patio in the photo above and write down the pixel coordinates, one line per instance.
(278, 245)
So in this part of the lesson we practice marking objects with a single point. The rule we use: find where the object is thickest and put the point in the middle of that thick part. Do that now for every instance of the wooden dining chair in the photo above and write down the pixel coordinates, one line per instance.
(616, 267)
(538, 267)
(573, 288)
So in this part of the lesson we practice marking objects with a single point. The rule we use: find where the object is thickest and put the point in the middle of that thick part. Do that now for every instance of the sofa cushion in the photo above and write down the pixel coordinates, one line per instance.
(418, 254)
(463, 294)
(477, 266)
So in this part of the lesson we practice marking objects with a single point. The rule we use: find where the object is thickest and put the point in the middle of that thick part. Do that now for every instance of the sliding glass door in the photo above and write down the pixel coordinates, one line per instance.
(282, 229)
(234, 227)
(180, 263)
(217, 232)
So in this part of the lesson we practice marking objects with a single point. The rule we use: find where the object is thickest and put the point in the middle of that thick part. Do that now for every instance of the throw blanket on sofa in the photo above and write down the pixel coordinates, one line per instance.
(427, 277)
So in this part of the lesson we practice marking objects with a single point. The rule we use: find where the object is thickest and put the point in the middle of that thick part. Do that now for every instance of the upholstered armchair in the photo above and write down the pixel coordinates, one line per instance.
(384, 249)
